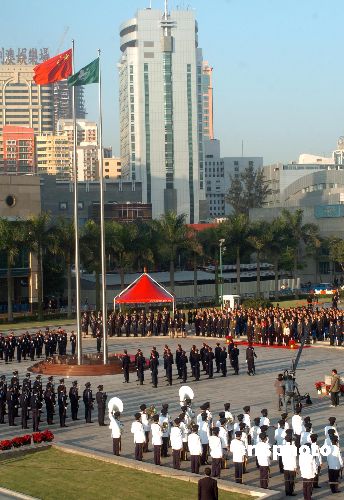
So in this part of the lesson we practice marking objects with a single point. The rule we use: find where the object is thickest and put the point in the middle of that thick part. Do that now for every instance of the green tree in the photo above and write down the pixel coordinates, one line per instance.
(259, 239)
(248, 190)
(236, 232)
(195, 249)
(38, 237)
(11, 238)
(278, 239)
(303, 239)
(209, 240)
(336, 251)
(90, 253)
(172, 230)
(123, 245)
(63, 244)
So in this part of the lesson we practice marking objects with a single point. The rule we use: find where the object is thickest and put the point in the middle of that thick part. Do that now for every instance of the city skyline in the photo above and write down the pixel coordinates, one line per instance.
(277, 86)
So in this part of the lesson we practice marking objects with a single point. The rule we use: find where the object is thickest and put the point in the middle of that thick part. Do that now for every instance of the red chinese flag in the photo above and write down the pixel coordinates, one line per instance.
(54, 69)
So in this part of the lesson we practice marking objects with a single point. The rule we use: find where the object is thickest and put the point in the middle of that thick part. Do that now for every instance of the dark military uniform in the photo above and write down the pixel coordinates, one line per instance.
(88, 402)
(101, 398)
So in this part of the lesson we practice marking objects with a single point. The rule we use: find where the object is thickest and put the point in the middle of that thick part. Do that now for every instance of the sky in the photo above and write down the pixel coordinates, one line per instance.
(278, 65)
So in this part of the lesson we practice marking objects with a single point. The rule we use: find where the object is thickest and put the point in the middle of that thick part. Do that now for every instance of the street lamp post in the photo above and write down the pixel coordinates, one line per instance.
(221, 248)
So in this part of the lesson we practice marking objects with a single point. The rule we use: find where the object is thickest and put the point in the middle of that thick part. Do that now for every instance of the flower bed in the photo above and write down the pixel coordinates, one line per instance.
(19, 441)
(322, 388)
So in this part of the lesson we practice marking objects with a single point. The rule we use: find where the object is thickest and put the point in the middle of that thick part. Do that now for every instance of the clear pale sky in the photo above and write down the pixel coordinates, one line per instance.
(278, 64)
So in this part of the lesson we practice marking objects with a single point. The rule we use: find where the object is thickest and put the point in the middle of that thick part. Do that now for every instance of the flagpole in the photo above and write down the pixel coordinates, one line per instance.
(102, 222)
(76, 227)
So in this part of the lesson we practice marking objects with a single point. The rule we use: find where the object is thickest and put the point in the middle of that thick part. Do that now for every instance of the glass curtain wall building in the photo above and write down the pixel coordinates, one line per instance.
(161, 111)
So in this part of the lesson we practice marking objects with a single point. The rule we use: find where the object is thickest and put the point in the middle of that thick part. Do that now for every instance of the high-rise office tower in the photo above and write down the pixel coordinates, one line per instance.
(161, 110)
(208, 104)
(25, 104)
(63, 102)
(22, 102)
(87, 146)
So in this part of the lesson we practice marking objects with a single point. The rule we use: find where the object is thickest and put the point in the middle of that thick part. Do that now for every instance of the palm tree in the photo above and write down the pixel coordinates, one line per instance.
(123, 244)
(63, 244)
(11, 237)
(236, 232)
(259, 240)
(300, 236)
(173, 232)
(90, 253)
(277, 245)
(196, 249)
(39, 239)
(209, 240)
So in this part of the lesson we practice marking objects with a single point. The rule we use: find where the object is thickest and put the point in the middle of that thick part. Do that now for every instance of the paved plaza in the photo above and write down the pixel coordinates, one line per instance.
(256, 391)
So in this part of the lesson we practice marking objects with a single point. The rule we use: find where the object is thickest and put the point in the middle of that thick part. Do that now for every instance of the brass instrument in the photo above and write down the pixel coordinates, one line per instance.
(115, 404)
(151, 411)
(185, 394)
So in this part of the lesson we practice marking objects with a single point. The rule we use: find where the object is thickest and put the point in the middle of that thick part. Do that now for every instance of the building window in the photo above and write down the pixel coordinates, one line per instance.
(63, 205)
(80, 205)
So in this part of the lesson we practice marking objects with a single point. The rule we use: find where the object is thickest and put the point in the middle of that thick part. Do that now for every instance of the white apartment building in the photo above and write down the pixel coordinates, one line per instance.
(87, 146)
(161, 111)
(218, 174)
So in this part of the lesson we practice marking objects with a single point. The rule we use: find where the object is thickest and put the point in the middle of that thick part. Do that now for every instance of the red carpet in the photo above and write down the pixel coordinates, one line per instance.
(274, 346)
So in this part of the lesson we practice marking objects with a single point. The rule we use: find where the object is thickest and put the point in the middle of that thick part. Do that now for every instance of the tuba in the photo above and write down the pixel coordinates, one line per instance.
(115, 404)
(185, 394)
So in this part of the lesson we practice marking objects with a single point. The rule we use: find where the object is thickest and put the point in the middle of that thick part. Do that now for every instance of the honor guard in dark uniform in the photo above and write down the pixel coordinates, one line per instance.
(140, 365)
(234, 357)
(168, 363)
(88, 402)
(250, 355)
(72, 341)
(99, 342)
(183, 366)
(62, 402)
(125, 366)
(35, 405)
(24, 403)
(37, 385)
(179, 351)
(217, 352)
(3, 393)
(197, 367)
(15, 381)
(153, 366)
(12, 403)
(210, 362)
(74, 400)
(27, 383)
(223, 361)
(101, 398)
(49, 399)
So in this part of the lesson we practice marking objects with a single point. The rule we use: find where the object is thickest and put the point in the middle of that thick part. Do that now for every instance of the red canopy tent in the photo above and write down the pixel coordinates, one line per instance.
(144, 290)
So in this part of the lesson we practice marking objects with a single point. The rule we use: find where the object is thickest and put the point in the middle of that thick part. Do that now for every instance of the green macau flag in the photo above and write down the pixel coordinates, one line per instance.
(86, 75)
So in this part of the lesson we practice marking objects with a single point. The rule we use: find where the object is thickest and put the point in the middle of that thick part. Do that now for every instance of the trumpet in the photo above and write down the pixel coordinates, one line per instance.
(164, 426)
(151, 411)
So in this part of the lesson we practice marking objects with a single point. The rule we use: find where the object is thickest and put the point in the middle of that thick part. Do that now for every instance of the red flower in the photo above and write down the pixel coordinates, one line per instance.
(37, 437)
(47, 436)
(5, 445)
(26, 439)
(17, 442)
(319, 385)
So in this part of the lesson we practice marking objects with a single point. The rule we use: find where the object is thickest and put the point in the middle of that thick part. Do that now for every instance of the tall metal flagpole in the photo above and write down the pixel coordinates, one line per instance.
(102, 222)
(76, 229)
